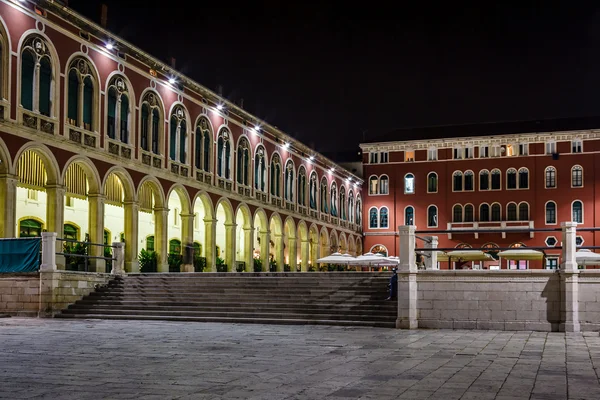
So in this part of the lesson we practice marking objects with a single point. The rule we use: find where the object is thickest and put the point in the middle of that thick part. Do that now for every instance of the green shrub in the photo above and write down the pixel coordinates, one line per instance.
(175, 260)
(221, 267)
(75, 263)
(148, 261)
(199, 263)
(272, 266)
(257, 265)
(287, 268)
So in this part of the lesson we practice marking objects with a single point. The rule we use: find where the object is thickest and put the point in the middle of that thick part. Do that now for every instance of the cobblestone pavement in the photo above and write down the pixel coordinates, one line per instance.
(95, 359)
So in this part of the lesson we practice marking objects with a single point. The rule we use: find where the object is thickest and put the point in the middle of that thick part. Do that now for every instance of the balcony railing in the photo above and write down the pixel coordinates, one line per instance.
(478, 227)
(39, 122)
(151, 159)
(180, 169)
(119, 149)
(224, 184)
(82, 136)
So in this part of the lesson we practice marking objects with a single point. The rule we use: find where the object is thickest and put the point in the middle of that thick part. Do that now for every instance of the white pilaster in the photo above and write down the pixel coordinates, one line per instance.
(569, 280)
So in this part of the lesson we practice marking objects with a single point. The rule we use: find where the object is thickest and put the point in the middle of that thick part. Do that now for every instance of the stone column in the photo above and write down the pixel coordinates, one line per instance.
(119, 258)
(210, 229)
(96, 231)
(305, 254)
(55, 215)
(36, 89)
(249, 249)
(431, 256)
(161, 241)
(279, 253)
(569, 274)
(293, 253)
(407, 279)
(265, 247)
(230, 247)
(48, 251)
(187, 242)
(132, 217)
(8, 205)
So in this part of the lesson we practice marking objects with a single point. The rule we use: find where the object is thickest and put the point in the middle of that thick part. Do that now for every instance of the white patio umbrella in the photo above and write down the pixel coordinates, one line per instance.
(370, 259)
(336, 258)
(521, 253)
(469, 255)
(587, 257)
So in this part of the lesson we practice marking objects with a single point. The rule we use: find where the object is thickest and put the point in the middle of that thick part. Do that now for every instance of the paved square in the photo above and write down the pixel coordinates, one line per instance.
(95, 359)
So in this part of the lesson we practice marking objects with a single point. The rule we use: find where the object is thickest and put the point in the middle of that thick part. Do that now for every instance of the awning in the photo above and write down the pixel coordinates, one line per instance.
(469, 255)
(336, 258)
(521, 254)
(587, 257)
(30, 223)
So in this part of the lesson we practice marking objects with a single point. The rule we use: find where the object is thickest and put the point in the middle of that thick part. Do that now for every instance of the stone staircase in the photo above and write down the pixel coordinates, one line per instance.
(335, 298)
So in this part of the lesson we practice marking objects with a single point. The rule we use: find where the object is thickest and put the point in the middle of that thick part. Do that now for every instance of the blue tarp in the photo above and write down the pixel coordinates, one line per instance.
(20, 255)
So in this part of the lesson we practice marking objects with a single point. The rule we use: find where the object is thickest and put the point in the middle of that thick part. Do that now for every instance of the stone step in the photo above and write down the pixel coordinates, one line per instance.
(283, 321)
(380, 304)
(241, 297)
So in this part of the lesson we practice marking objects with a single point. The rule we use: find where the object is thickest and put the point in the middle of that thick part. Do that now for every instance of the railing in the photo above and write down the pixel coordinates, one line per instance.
(82, 252)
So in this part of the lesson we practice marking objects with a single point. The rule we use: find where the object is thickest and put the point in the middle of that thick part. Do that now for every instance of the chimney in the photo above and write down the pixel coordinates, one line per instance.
(173, 61)
(103, 14)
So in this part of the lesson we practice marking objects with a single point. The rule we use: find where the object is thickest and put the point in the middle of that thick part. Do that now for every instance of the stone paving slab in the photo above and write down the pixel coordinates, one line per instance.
(104, 359)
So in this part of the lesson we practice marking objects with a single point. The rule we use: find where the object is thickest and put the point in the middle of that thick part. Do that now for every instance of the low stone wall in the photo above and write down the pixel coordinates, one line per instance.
(61, 288)
(471, 299)
(589, 300)
(20, 294)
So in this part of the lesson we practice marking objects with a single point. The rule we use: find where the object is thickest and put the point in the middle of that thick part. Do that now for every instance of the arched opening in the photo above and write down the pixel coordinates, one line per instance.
(175, 231)
(225, 237)
(202, 227)
(261, 242)
(243, 239)
(31, 193)
(150, 211)
(276, 253)
(114, 212)
(324, 244)
(290, 246)
(343, 244)
(302, 248)
(313, 239)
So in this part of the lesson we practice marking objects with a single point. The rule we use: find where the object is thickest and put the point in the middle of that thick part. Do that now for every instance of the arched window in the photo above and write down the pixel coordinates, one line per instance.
(118, 110)
(243, 162)
(511, 212)
(523, 178)
(224, 154)
(373, 222)
(174, 246)
(4, 60)
(358, 211)
(484, 213)
(302, 186)
(457, 181)
(484, 180)
(260, 169)
(496, 212)
(468, 180)
(81, 94)
(384, 184)
(150, 243)
(313, 191)
(178, 135)
(432, 182)
(373, 185)
(523, 211)
(343, 203)
(469, 217)
(457, 213)
(70, 232)
(409, 216)
(550, 177)
(496, 179)
(432, 217)
(577, 176)
(152, 125)
(577, 212)
(409, 183)
(323, 191)
(511, 178)
(550, 212)
(276, 175)
(30, 228)
(383, 217)
(37, 76)
(351, 213)
(289, 181)
(333, 198)
(202, 147)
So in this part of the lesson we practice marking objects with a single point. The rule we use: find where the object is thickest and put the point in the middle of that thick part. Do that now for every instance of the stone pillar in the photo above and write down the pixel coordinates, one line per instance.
(8, 205)
(265, 247)
(279, 253)
(96, 231)
(569, 274)
(118, 263)
(249, 249)
(293, 253)
(132, 217)
(36, 89)
(210, 241)
(161, 241)
(55, 215)
(431, 256)
(187, 241)
(230, 247)
(305, 254)
(48, 251)
(407, 279)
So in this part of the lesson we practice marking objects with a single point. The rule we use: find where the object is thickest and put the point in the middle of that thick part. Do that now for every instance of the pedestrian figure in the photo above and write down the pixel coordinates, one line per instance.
(393, 285)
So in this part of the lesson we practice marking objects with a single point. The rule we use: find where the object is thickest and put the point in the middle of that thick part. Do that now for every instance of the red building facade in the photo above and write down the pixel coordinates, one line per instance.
(504, 182)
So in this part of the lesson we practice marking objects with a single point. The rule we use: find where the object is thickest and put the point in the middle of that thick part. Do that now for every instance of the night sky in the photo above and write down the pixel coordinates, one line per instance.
(332, 76)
